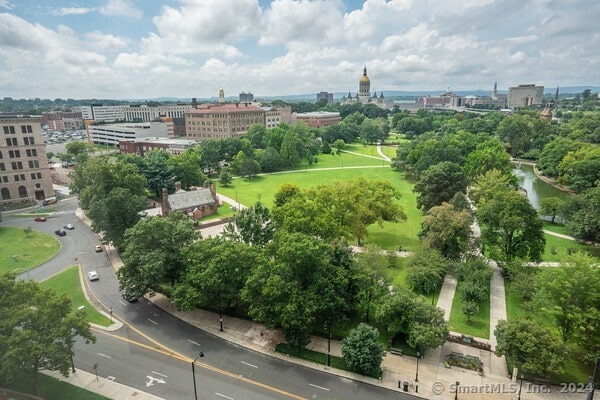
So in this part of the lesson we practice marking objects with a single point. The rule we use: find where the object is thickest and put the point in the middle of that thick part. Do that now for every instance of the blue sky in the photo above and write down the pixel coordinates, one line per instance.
(191, 48)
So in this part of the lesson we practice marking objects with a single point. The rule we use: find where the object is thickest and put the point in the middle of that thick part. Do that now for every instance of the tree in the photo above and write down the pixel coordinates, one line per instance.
(487, 156)
(339, 145)
(225, 177)
(469, 308)
(439, 183)
(569, 293)
(38, 329)
(245, 165)
(371, 264)
(49, 155)
(346, 208)
(580, 168)
(370, 131)
(516, 133)
(217, 270)
(252, 226)
(287, 288)
(427, 269)
(428, 328)
(583, 215)
(553, 153)
(78, 150)
(551, 207)
(395, 311)
(486, 186)
(285, 193)
(96, 178)
(447, 230)
(158, 171)
(511, 227)
(362, 351)
(292, 150)
(326, 148)
(186, 168)
(152, 252)
(534, 349)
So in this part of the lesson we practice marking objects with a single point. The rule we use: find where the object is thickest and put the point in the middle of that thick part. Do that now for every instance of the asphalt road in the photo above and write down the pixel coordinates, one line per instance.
(230, 371)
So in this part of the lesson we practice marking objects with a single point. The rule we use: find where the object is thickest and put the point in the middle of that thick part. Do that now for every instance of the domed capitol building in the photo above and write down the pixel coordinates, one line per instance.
(364, 94)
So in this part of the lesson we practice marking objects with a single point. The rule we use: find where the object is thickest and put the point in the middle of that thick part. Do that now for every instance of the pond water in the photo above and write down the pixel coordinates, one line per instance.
(536, 188)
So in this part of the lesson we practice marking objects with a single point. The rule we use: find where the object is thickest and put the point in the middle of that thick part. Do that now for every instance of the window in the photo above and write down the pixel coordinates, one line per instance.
(0, 155)
(16, 165)
(5, 179)
(14, 153)
(33, 176)
(16, 178)
(5, 194)
(2, 167)
(30, 153)
(39, 175)
(34, 164)
(28, 141)
(22, 191)
(9, 130)
(11, 141)
(26, 129)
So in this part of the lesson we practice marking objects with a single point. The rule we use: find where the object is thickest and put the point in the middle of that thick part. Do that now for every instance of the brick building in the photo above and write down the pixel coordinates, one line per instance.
(210, 121)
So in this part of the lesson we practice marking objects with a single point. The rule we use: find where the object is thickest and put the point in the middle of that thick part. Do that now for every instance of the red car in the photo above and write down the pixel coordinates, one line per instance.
(40, 219)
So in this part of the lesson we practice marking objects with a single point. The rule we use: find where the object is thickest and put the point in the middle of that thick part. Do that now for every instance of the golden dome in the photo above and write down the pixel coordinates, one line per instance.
(364, 78)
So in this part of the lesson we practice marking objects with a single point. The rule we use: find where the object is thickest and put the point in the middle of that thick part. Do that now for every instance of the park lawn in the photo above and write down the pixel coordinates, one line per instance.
(368, 150)
(30, 250)
(557, 249)
(52, 389)
(342, 160)
(389, 237)
(224, 211)
(557, 228)
(67, 282)
(480, 322)
(389, 151)
(574, 370)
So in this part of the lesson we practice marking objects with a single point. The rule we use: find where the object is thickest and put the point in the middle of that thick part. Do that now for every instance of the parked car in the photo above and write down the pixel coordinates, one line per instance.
(40, 219)
(69, 227)
(61, 232)
(97, 248)
(93, 276)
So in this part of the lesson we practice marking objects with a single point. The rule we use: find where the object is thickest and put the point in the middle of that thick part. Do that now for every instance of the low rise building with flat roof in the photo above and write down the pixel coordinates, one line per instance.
(111, 134)
(319, 119)
(142, 146)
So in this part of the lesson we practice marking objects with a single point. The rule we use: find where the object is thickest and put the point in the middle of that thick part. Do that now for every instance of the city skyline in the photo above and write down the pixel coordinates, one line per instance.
(190, 48)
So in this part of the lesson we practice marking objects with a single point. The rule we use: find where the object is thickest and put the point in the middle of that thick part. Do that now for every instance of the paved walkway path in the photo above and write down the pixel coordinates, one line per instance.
(380, 152)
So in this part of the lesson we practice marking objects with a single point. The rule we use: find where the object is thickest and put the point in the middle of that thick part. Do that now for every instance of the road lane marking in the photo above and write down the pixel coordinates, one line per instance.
(222, 395)
(122, 302)
(178, 356)
(154, 322)
(110, 378)
(319, 387)
(158, 373)
(152, 380)
(104, 355)
(192, 342)
(248, 364)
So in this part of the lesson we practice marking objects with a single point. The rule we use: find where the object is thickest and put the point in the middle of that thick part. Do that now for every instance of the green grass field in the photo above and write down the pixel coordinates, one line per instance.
(479, 326)
(368, 150)
(557, 249)
(389, 151)
(67, 282)
(53, 389)
(264, 187)
(29, 250)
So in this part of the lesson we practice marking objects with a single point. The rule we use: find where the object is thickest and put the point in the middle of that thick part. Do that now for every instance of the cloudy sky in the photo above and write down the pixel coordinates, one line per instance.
(191, 48)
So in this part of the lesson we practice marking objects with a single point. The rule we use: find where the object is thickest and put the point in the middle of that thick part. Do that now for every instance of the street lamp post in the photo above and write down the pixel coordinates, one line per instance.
(456, 390)
(417, 374)
(520, 387)
(328, 324)
(200, 355)
(220, 314)
(593, 380)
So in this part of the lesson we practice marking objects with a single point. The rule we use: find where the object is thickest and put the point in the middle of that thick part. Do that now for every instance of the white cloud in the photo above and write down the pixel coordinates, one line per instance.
(120, 8)
(6, 4)
(72, 11)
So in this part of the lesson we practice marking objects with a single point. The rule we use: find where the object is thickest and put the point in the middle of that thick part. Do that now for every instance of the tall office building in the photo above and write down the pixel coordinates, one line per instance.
(525, 95)
(24, 172)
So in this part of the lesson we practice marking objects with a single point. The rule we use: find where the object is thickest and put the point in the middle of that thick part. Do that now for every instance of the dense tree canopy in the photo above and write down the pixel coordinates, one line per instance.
(446, 229)
(362, 350)
(439, 183)
(511, 227)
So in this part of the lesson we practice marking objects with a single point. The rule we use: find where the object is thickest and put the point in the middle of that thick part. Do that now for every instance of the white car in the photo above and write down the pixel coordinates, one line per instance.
(93, 276)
